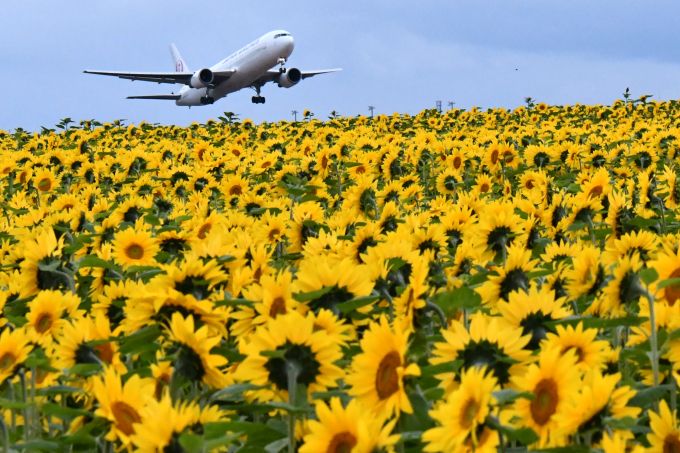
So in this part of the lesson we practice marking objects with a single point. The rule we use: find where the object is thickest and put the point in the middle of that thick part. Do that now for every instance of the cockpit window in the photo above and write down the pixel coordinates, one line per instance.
(278, 35)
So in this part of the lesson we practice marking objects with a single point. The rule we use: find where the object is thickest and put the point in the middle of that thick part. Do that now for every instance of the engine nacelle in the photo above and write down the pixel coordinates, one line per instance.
(289, 78)
(201, 78)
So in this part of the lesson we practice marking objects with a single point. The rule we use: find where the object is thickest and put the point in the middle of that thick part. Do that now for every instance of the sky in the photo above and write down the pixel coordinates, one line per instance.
(399, 56)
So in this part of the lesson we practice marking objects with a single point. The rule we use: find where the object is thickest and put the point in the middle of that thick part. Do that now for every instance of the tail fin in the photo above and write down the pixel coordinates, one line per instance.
(180, 64)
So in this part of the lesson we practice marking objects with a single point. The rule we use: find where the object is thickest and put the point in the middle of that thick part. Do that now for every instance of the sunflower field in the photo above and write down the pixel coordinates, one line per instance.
(500, 280)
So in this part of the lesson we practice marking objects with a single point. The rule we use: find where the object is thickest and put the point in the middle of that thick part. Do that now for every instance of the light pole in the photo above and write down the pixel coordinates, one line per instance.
(439, 106)
(451, 103)
(370, 109)
(294, 112)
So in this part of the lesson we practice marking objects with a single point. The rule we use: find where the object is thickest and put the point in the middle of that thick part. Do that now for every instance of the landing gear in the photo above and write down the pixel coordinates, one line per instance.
(281, 62)
(207, 100)
(257, 99)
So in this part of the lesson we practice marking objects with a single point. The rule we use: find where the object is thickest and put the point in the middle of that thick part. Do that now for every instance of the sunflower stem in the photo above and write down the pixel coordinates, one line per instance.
(591, 229)
(437, 309)
(674, 394)
(292, 371)
(659, 202)
(654, 347)
(5, 436)
(24, 399)
(14, 415)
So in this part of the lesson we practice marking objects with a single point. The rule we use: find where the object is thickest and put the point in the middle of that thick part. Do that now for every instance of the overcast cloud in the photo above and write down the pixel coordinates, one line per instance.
(400, 56)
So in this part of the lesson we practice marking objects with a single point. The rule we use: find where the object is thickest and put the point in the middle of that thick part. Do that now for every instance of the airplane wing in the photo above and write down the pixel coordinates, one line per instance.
(272, 74)
(164, 97)
(163, 77)
(312, 73)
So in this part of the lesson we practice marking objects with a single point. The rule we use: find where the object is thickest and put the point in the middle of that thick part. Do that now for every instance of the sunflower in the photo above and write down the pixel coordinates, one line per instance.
(192, 277)
(667, 266)
(289, 342)
(487, 343)
(621, 291)
(483, 184)
(121, 404)
(665, 435)
(337, 282)
(152, 437)
(44, 180)
(84, 340)
(14, 350)
(272, 228)
(447, 181)
(533, 311)
(343, 429)
(41, 268)
(599, 402)
(587, 275)
(378, 372)
(512, 276)
(460, 417)
(193, 360)
(135, 248)
(642, 243)
(457, 223)
(413, 295)
(46, 312)
(364, 238)
(272, 297)
(554, 382)
(591, 354)
(498, 226)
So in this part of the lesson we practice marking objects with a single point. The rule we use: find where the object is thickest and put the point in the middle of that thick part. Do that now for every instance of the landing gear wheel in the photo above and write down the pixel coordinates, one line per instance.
(207, 100)
(258, 99)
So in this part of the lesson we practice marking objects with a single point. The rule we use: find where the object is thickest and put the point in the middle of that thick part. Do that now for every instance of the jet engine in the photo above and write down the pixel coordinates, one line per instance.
(289, 78)
(201, 78)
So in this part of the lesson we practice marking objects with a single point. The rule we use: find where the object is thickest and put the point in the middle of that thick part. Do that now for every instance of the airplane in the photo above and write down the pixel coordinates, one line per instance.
(252, 66)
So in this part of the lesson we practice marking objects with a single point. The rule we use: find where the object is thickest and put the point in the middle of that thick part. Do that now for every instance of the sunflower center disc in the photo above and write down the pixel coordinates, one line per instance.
(135, 252)
(342, 443)
(125, 416)
(387, 379)
(544, 405)
(672, 292)
(469, 412)
(7, 360)
(671, 444)
(43, 323)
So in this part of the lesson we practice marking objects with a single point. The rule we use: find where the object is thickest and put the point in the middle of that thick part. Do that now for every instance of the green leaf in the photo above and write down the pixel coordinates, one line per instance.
(276, 446)
(507, 396)
(58, 390)
(312, 295)
(462, 298)
(234, 392)
(191, 443)
(447, 367)
(354, 304)
(140, 340)
(599, 323)
(525, 436)
(85, 369)
(9, 404)
(38, 444)
(648, 275)
(95, 261)
(644, 398)
(65, 413)
(668, 282)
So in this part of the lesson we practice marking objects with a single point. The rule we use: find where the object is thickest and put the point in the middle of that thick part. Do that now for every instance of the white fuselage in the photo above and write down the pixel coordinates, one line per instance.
(249, 62)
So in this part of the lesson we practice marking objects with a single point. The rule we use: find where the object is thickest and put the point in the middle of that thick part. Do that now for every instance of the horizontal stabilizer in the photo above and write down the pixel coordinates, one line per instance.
(164, 97)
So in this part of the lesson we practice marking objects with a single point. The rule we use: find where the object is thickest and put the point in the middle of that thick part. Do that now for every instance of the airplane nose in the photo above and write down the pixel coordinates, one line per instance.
(288, 45)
